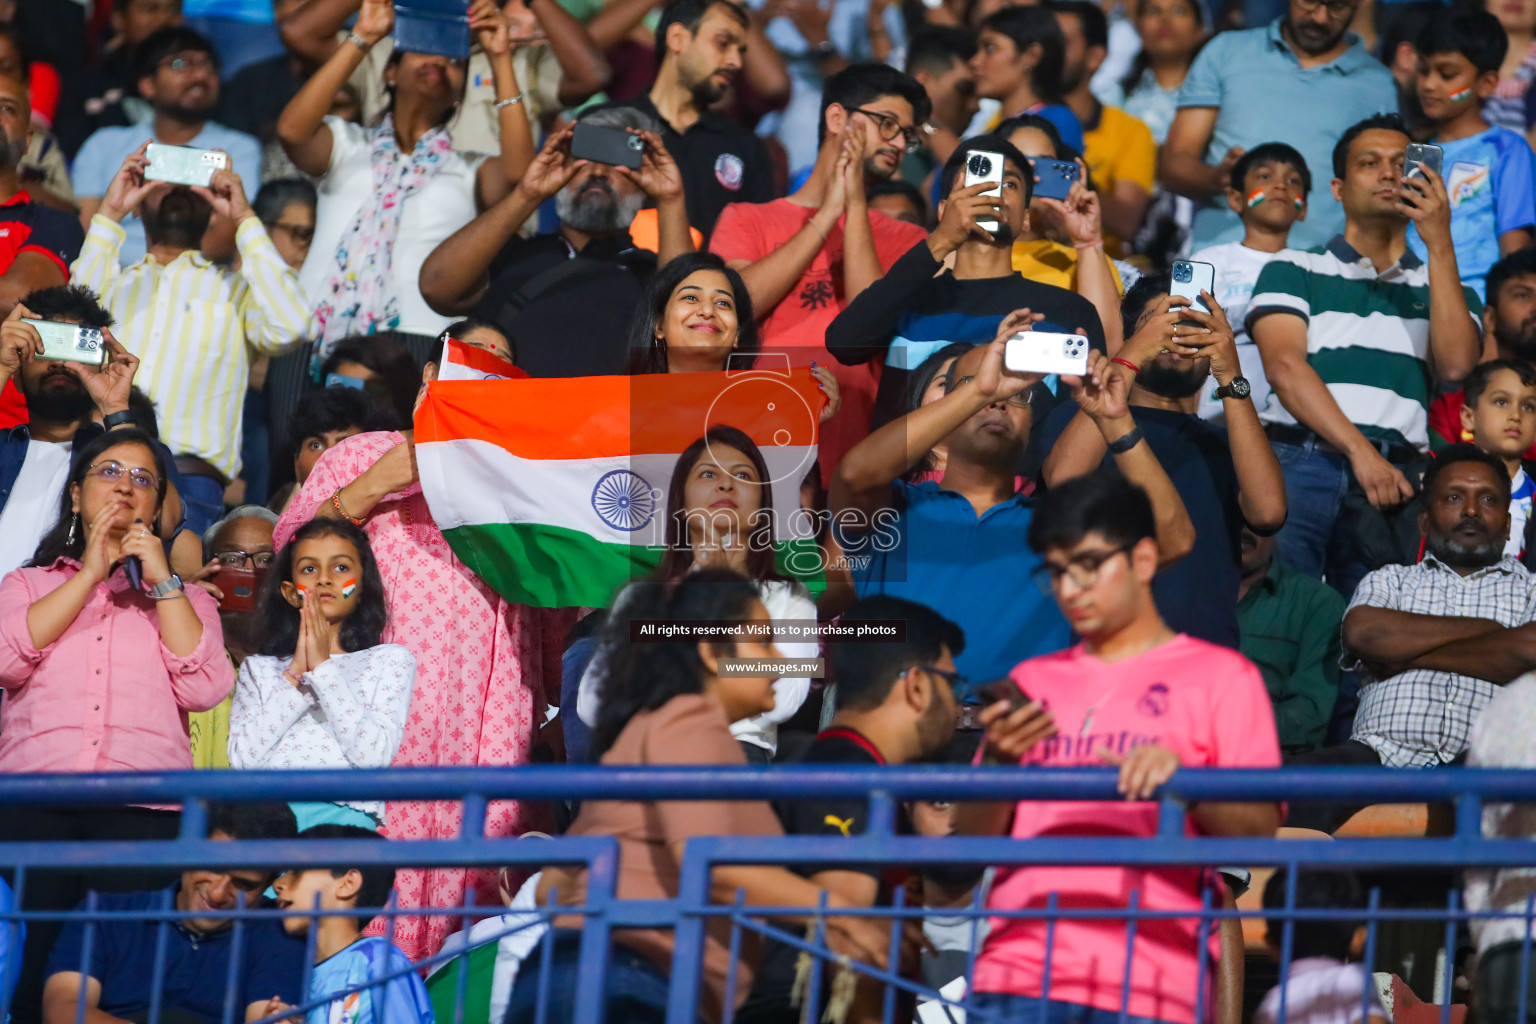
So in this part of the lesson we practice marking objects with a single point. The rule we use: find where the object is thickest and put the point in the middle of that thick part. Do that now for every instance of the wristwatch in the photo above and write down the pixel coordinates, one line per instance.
(121, 418)
(166, 588)
(1237, 387)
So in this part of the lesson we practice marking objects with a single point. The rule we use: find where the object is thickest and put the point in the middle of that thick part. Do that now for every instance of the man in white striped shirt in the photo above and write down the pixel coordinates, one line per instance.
(193, 324)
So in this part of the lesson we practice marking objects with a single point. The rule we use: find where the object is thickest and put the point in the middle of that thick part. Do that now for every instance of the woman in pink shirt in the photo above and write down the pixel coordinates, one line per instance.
(99, 675)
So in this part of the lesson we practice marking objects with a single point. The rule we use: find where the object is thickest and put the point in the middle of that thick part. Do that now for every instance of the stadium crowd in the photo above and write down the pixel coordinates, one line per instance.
(1280, 512)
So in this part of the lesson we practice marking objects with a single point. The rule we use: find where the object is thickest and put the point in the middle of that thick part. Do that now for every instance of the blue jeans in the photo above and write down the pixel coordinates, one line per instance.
(1003, 1006)
(202, 503)
(636, 989)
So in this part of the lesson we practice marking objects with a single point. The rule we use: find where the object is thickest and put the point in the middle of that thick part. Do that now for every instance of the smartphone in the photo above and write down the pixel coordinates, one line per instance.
(613, 146)
(1189, 279)
(439, 27)
(71, 342)
(1422, 154)
(183, 165)
(1004, 689)
(1045, 352)
(239, 587)
(1056, 177)
(983, 166)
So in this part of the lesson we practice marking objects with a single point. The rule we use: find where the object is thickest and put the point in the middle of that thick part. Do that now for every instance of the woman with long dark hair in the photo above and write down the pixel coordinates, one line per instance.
(1172, 32)
(99, 674)
(720, 516)
(696, 316)
(668, 703)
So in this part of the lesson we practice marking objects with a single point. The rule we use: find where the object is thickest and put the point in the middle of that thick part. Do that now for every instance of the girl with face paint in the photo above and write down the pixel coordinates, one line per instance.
(323, 692)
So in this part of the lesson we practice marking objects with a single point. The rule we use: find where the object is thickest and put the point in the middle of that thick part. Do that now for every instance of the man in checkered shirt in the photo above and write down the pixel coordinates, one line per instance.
(1435, 640)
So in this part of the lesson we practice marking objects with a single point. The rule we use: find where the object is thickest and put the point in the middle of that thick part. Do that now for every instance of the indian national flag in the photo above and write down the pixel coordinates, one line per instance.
(554, 491)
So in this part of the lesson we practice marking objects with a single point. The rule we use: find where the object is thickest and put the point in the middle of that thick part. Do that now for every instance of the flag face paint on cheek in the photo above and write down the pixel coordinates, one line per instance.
(1298, 202)
(1255, 198)
(348, 588)
(1461, 94)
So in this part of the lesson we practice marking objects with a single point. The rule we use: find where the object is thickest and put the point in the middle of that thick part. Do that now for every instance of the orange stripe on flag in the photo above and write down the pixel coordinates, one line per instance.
(478, 363)
(603, 417)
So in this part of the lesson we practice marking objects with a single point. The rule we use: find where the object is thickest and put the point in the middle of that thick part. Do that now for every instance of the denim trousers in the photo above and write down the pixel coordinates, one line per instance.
(1015, 1009)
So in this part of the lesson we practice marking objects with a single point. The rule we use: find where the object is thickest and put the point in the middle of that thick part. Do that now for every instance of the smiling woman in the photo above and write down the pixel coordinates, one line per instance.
(695, 317)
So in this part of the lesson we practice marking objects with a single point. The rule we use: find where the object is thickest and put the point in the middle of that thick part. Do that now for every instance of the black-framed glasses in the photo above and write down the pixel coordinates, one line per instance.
(955, 680)
(1083, 569)
(303, 234)
(190, 62)
(1021, 400)
(237, 559)
(1336, 8)
(112, 472)
(889, 126)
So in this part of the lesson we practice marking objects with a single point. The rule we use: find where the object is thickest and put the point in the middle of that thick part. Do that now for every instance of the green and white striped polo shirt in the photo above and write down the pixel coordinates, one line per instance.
(1367, 334)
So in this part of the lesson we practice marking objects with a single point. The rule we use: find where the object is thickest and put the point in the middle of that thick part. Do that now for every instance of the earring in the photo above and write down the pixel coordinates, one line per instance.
(74, 521)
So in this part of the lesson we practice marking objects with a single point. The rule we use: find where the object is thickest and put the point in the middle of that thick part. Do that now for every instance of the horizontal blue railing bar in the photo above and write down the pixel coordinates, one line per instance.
(586, 782)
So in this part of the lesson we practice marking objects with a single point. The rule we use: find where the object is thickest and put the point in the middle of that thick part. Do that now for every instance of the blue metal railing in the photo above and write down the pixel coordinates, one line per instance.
(601, 912)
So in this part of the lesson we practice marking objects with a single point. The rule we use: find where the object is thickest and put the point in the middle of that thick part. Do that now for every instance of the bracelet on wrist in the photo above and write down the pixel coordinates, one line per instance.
(359, 42)
(510, 101)
(121, 418)
(1125, 442)
(336, 504)
(819, 231)
(1127, 364)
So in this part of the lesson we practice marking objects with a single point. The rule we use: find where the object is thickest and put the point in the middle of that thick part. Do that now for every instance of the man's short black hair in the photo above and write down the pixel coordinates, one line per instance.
(1475, 34)
(1102, 502)
(690, 14)
(1407, 21)
(1146, 288)
(905, 189)
(858, 84)
(336, 408)
(377, 880)
(1376, 122)
(865, 672)
(1477, 381)
(1090, 16)
(168, 42)
(253, 821)
(1520, 263)
(1458, 453)
(936, 49)
(991, 144)
(1315, 890)
(72, 300)
(1029, 26)
(1270, 153)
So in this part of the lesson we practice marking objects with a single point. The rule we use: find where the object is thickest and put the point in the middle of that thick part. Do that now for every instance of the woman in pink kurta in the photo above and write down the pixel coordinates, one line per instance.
(483, 664)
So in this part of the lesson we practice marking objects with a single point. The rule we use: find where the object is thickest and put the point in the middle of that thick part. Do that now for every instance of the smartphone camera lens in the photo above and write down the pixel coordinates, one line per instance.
(636, 143)
(1181, 272)
(979, 166)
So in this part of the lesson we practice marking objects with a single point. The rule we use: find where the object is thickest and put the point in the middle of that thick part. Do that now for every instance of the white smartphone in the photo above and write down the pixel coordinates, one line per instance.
(183, 165)
(1044, 352)
(983, 166)
(70, 342)
(1189, 280)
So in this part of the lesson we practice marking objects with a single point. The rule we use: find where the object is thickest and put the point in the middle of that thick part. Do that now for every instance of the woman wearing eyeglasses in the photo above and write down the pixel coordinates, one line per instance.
(99, 674)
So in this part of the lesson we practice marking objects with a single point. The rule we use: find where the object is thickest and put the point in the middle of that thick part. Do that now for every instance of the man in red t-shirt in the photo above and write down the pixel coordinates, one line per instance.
(804, 258)
(37, 244)
(1510, 320)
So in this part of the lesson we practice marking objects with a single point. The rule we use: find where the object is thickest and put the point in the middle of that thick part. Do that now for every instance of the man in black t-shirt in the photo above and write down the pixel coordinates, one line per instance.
(1226, 480)
(895, 705)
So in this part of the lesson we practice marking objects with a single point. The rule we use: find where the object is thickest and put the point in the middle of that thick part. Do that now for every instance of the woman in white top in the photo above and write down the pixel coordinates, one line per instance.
(323, 692)
(390, 193)
(720, 515)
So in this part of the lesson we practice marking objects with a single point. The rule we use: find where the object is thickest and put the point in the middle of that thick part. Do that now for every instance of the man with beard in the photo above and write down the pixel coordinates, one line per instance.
(179, 76)
(1435, 640)
(699, 48)
(1510, 318)
(1302, 80)
(1119, 150)
(1227, 480)
(804, 258)
(529, 287)
(918, 307)
(34, 457)
(195, 324)
(959, 543)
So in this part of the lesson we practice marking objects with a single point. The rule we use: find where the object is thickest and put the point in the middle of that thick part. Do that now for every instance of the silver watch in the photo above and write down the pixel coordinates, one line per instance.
(166, 588)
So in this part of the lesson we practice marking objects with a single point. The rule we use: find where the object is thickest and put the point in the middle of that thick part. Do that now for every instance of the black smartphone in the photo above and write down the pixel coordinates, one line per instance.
(1055, 177)
(613, 146)
(438, 27)
(1004, 689)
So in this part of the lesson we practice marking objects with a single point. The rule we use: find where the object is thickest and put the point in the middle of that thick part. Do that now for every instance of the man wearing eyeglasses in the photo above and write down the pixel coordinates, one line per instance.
(1302, 80)
(119, 979)
(179, 76)
(805, 257)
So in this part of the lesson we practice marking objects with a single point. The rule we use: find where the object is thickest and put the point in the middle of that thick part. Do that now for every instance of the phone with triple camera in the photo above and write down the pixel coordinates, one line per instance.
(438, 27)
(1189, 280)
(1054, 177)
(240, 586)
(183, 165)
(1421, 155)
(613, 146)
(1045, 352)
(71, 342)
(982, 166)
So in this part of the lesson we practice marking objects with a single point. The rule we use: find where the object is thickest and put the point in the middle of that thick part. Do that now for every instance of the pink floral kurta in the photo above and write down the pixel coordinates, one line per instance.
(483, 667)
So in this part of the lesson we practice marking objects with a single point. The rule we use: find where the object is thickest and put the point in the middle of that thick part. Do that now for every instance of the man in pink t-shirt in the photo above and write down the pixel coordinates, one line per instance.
(1137, 695)
(805, 257)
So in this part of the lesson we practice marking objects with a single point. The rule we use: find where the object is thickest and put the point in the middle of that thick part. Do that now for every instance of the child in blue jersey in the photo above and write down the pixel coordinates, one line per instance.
(349, 969)
(1499, 412)
(1487, 169)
